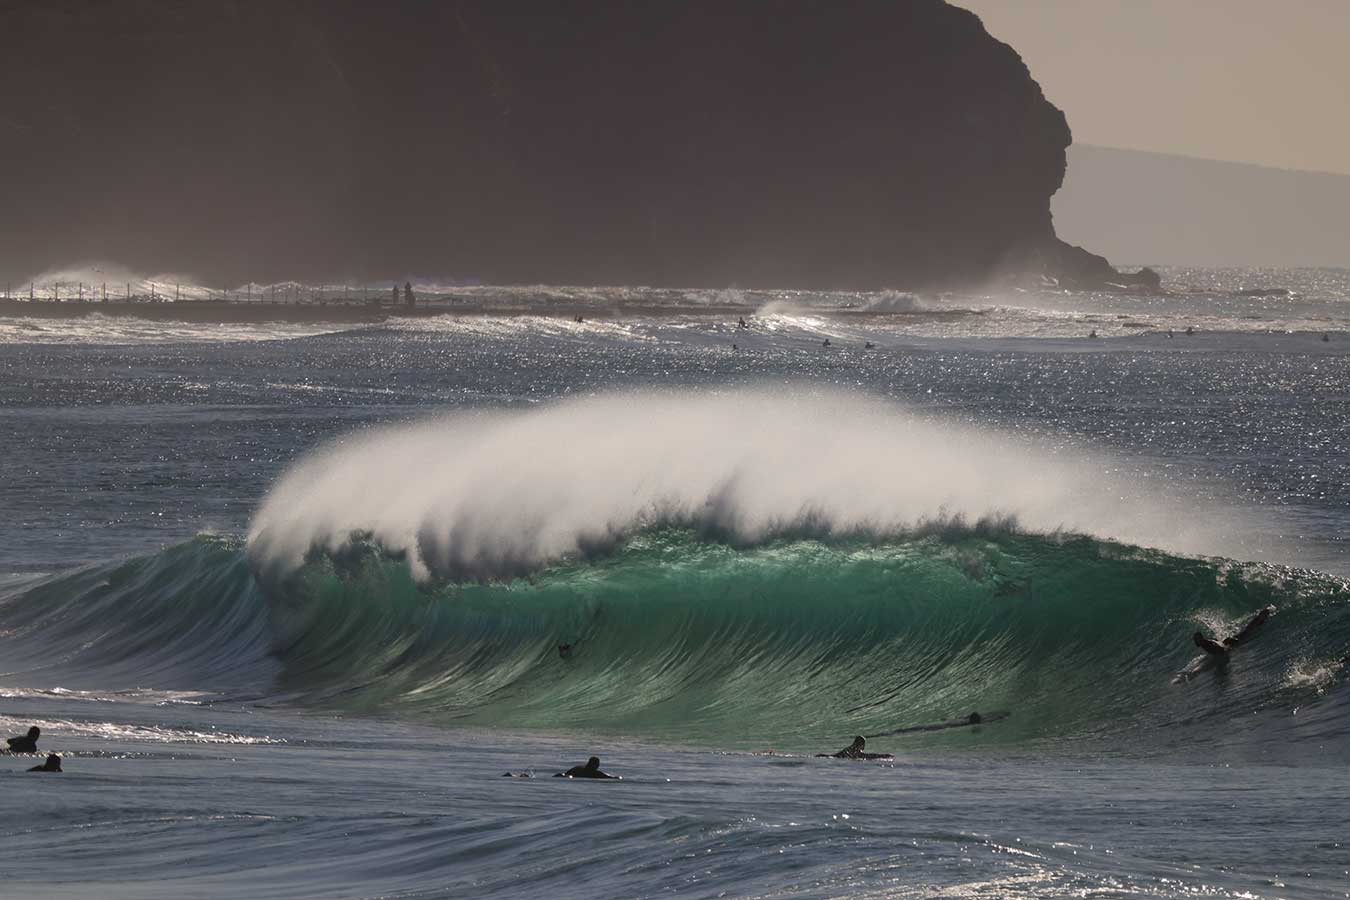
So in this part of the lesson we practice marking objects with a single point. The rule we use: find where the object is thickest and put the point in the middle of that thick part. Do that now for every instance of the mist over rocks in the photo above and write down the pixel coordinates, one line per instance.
(859, 144)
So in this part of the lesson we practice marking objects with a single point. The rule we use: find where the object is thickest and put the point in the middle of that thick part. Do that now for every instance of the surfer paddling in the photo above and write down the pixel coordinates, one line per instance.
(590, 770)
(53, 764)
(1215, 648)
(855, 751)
(24, 743)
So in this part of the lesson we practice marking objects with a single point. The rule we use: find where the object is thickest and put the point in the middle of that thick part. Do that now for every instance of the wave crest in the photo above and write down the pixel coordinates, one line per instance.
(495, 494)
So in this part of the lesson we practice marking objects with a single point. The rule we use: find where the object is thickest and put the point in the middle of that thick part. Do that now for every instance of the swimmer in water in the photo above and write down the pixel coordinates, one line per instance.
(590, 770)
(565, 651)
(827, 343)
(53, 764)
(1214, 648)
(26, 743)
(855, 751)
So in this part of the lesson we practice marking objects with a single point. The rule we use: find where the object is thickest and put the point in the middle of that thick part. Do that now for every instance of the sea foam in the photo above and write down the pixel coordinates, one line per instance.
(487, 494)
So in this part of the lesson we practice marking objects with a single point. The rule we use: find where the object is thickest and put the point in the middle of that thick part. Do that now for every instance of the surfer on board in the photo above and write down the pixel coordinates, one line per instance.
(590, 770)
(855, 751)
(24, 743)
(1214, 648)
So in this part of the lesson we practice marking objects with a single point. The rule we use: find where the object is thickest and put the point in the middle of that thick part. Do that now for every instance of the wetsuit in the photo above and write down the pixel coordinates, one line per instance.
(53, 764)
(1250, 628)
(25, 744)
(590, 770)
(1212, 647)
(854, 751)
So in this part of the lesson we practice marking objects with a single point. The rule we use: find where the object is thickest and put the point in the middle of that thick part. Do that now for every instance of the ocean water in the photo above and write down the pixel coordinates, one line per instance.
(289, 599)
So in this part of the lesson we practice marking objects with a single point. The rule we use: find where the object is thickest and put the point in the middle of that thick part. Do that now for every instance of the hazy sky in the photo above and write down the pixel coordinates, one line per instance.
(1241, 80)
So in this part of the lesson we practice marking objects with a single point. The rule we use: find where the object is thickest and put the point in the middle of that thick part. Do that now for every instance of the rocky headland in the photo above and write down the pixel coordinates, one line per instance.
(854, 145)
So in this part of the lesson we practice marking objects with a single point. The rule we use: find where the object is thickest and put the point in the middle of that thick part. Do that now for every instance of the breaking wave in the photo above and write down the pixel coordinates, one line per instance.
(793, 642)
(738, 569)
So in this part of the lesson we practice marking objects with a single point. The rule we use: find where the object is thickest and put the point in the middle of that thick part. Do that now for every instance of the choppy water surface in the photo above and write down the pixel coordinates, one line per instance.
(289, 599)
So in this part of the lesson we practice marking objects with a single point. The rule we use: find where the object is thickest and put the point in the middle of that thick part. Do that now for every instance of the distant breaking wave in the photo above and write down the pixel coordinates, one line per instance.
(1255, 303)
(95, 329)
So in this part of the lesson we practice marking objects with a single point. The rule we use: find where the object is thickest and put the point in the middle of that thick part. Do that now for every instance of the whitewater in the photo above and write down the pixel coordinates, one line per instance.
(290, 599)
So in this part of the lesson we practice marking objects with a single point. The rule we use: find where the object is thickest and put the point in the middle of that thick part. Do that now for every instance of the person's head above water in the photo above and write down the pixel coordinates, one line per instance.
(25, 743)
(53, 764)
(593, 762)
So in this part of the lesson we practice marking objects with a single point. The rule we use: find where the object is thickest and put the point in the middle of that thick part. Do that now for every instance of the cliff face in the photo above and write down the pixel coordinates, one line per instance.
(842, 144)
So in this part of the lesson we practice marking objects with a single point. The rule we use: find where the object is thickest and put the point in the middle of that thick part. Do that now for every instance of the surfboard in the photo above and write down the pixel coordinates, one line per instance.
(1202, 663)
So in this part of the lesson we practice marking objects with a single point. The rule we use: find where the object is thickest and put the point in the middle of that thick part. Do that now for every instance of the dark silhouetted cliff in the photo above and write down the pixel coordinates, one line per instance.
(842, 144)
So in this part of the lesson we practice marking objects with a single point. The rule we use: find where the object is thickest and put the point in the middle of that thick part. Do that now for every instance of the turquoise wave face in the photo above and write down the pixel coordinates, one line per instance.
(800, 641)
(797, 643)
